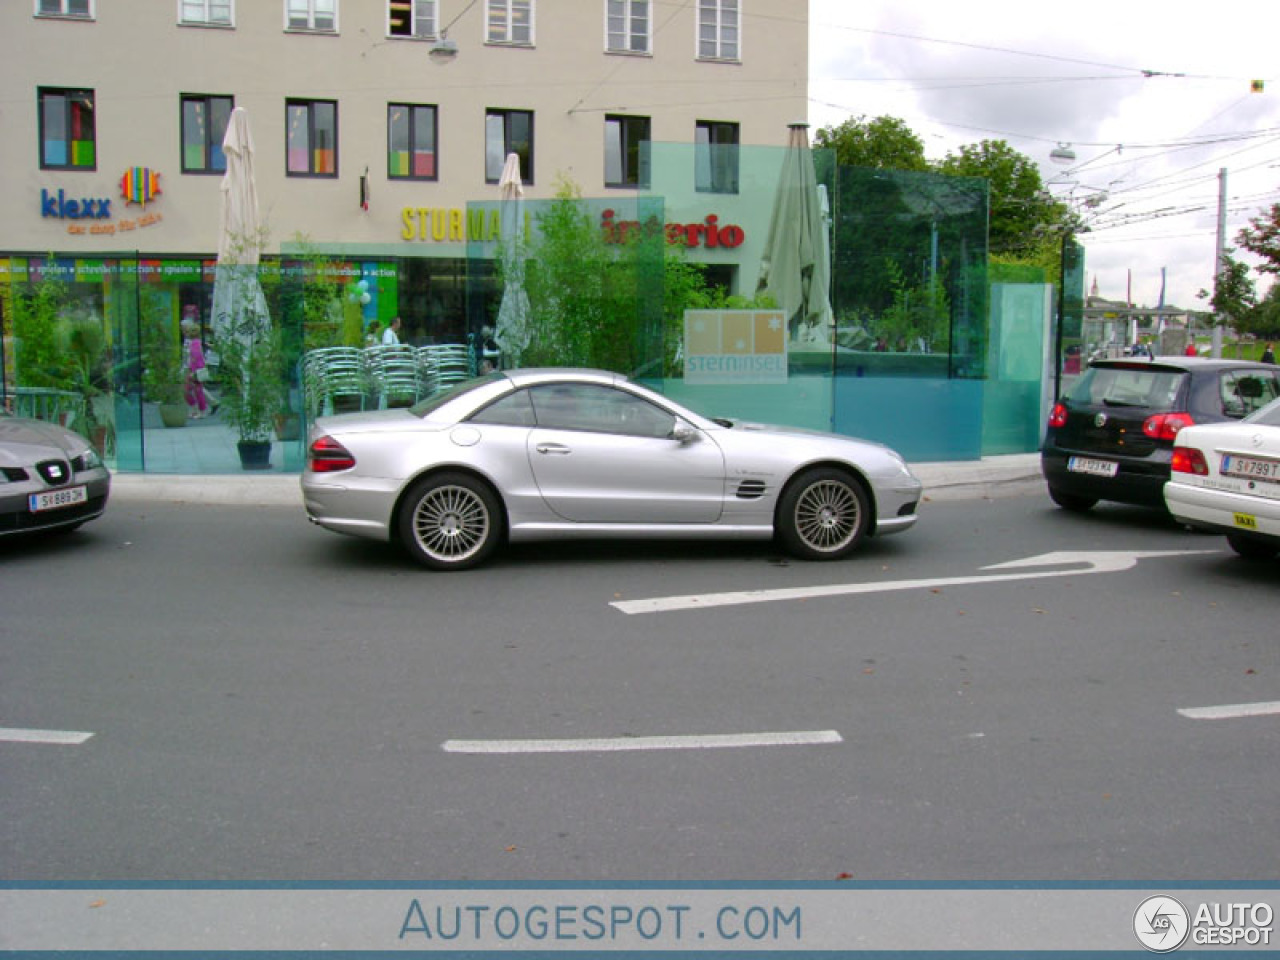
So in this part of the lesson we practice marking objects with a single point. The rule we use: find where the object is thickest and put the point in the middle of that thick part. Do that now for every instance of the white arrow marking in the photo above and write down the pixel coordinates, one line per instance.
(1232, 711)
(600, 744)
(64, 737)
(1094, 562)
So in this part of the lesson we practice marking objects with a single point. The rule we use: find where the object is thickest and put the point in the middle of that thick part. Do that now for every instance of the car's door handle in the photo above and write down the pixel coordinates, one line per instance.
(558, 448)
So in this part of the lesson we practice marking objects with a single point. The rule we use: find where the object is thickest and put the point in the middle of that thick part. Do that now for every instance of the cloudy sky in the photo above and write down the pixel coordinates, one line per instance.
(1153, 97)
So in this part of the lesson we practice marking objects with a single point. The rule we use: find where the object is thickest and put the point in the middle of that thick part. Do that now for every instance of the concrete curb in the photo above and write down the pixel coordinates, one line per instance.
(1012, 475)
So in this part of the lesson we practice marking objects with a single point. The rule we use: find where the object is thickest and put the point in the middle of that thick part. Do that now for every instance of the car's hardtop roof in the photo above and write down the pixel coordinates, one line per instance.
(526, 376)
(1185, 364)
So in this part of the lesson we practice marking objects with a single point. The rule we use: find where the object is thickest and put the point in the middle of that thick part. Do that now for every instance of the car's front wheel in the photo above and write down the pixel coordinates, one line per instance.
(823, 515)
(450, 521)
(1252, 548)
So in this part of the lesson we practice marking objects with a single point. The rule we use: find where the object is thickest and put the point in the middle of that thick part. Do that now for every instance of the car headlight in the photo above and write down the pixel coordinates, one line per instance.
(89, 460)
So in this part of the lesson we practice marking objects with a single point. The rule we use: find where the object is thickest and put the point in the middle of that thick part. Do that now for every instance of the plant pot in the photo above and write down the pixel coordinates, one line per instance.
(288, 426)
(173, 414)
(255, 454)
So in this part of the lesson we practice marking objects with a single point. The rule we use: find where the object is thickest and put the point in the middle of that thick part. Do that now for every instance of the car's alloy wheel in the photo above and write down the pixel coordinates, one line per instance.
(823, 515)
(450, 521)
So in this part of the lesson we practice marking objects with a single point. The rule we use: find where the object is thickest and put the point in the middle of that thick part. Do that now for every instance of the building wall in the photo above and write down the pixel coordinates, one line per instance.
(138, 59)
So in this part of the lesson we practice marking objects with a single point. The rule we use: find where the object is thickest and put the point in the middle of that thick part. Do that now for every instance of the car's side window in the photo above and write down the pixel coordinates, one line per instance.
(513, 410)
(583, 406)
(1244, 391)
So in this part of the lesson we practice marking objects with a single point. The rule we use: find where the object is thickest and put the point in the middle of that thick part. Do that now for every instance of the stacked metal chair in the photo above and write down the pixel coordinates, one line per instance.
(394, 374)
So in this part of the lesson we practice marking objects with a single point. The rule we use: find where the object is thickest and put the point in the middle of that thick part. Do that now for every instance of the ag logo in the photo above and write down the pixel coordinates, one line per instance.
(1161, 924)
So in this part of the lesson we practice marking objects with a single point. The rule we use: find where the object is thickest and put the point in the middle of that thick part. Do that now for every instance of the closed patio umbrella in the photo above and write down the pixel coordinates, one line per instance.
(512, 333)
(238, 304)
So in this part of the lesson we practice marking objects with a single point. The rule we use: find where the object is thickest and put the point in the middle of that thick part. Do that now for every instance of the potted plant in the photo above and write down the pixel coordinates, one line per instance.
(253, 392)
(163, 373)
(83, 346)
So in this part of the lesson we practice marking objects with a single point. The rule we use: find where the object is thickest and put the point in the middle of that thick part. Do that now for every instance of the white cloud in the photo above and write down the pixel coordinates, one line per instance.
(1036, 76)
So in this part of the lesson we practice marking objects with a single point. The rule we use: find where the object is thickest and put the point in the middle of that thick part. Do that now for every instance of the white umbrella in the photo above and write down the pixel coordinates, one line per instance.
(238, 304)
(512, 332)
(795, 268)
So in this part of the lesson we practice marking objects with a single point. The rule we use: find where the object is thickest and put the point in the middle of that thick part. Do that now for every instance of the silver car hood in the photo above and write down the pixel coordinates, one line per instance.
(781, 431)
(24, 441)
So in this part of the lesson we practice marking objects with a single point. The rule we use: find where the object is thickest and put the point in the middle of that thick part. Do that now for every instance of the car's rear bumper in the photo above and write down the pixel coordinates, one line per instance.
(1223, 510)
(359, 506)
(1138, 481)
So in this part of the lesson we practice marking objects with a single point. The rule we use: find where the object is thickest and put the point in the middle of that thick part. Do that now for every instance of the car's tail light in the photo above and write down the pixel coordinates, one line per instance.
(327, 455)
(1165, 426)
(1058, 416)
(1189, 460)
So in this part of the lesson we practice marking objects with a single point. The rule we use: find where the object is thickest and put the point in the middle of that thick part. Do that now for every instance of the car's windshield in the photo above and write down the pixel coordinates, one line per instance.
(1128, 387)
(424, 408)
(1268, 415)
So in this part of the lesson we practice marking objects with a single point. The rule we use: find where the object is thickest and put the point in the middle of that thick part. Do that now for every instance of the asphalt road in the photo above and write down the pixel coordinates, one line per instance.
(269, 701)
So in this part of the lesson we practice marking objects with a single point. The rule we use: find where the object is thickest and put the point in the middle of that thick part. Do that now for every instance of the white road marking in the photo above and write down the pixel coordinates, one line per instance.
(1094, 561)
(1232, 711)
(612, 744)
(65, 737)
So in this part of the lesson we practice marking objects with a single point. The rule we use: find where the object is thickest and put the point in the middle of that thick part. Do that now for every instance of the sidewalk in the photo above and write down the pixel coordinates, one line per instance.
(1012, 475)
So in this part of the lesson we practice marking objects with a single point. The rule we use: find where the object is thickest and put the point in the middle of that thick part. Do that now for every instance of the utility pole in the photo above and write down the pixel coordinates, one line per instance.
(1220, 261)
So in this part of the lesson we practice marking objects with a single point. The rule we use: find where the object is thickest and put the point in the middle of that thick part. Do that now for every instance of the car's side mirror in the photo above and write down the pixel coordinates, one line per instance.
(683, 433)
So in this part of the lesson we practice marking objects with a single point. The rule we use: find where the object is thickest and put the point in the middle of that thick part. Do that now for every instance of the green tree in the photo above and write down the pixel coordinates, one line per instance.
(885, 143)
(1262, 239)
(1234, 297)
(1021, 208)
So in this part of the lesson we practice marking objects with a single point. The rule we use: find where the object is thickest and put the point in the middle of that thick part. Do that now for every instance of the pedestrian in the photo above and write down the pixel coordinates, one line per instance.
(1191, 349)
(391, 336)
(1268, 354)
(199, 402)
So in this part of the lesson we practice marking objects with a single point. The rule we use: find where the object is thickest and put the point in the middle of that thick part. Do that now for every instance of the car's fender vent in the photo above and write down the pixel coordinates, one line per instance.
(13, 474)
(54, 472)
(751, 490)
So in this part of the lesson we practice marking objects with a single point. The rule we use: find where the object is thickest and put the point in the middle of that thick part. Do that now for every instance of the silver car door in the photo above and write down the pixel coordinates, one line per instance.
(603, 455)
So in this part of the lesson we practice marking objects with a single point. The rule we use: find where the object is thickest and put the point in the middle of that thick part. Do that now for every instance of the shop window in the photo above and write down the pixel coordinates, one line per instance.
(509, 21)
(411, 141)
(311, 138)
(79, 9)
(627, 26)
(626, 151)
(412, 18)
(214, 13)
(317, 16)
(718, 24)
(204, 124)
(715, 157)
(508, 131)
(67, 137)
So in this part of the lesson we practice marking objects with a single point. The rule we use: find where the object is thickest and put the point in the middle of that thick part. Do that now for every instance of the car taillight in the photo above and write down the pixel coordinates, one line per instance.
(1165, 426)
(1058, 416)
(327, 455)
(1189, 460)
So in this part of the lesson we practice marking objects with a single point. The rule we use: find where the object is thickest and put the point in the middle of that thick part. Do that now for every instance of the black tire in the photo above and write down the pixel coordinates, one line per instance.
(823, 515)
(1071, 501)
(450, 521)
(1252, 548)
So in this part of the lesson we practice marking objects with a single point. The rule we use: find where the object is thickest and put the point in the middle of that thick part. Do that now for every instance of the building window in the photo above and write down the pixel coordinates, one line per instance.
(626, 151)
(411, 18)
(718, 37)
(627, 26)
(311, 138)
(715, 157)
(508, 131)
(220, 13)
(204, 124)
(319, 16)
(80, 9)
(411, 141)
(67, 139)
(509, 21)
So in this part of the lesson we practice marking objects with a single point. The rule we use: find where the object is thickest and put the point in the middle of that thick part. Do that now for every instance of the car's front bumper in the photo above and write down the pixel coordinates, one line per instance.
(15, 512)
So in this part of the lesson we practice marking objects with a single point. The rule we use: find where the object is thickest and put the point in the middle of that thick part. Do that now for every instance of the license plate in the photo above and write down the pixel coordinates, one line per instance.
(57, 499)
(1097, 468)
(1250, 468)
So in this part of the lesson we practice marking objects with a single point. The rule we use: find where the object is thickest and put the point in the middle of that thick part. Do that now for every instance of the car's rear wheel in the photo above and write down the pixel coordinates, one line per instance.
(823, 515)
(450, 521)
(1252, 548)
(1071, 501)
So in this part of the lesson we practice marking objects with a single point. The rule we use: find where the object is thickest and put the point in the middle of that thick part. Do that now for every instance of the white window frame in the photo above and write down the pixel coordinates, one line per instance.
(505, 10)
(715, 9)
(311, 17)
(433, 6)
(628, 38)
(206, 18)
(64, 13)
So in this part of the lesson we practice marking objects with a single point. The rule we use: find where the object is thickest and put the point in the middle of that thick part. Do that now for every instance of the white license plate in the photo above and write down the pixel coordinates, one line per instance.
(1097, 468)
(56, 499)
(1250, 468)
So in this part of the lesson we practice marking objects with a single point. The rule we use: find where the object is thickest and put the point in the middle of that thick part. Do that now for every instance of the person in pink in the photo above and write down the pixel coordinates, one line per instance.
(197, 372)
